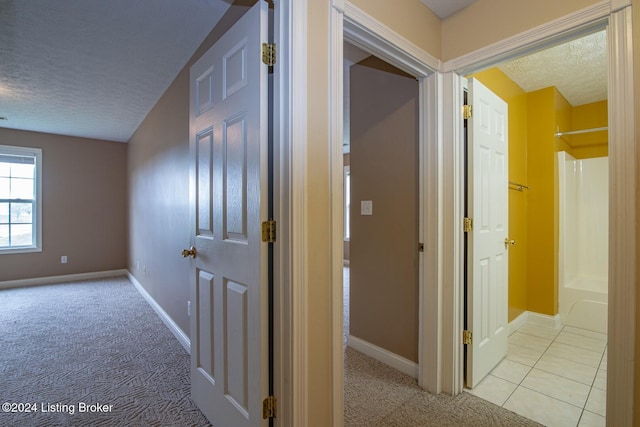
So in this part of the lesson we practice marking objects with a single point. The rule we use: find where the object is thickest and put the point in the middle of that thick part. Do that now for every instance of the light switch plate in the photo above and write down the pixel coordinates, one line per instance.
(366, 207)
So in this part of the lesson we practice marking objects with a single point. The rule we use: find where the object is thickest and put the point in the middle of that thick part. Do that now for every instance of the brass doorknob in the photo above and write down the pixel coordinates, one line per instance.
(189, 252)
(508, 242)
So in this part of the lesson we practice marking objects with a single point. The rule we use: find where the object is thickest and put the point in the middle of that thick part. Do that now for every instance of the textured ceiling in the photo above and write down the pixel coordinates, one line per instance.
(94, 68)
(444, 8)
(578, 69)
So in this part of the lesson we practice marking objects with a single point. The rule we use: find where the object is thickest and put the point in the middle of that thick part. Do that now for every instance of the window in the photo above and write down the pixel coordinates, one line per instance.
(20, 199)
(347, 202)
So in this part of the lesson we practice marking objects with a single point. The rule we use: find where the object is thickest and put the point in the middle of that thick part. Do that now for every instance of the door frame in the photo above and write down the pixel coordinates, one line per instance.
(616, 17)
(347, 22)
(440, 350)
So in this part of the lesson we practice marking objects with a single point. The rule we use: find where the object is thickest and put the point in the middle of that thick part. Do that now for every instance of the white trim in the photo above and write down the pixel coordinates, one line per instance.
(372, 36)
(393, 360)
(347, 22)
(283, 293)
(622, 231)
(50, 280)
(336, 175)
(451, 205)
(182, 338)
(580, 22)
(296, 181)
(430, 283)
(517, 323)
(544, 320)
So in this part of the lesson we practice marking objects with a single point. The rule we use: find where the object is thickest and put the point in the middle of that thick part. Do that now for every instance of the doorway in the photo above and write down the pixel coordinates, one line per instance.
(549, 345)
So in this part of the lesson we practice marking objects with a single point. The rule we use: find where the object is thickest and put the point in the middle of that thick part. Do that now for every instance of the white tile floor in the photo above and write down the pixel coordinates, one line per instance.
(556, 377)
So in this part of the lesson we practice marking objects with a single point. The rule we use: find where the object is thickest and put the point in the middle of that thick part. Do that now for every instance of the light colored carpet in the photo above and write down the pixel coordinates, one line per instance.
(377, 395)
(91, 342)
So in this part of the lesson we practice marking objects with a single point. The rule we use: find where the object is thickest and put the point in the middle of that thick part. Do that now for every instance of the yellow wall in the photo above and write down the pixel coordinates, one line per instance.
(516, 98)
(594, 144)
(533, 215)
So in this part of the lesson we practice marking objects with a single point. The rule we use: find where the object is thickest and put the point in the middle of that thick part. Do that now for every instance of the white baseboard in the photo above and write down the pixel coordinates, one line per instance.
(515, 324)
(385, 356)
(173, 327)
(37, 281)
(544, 320)
(535, 318)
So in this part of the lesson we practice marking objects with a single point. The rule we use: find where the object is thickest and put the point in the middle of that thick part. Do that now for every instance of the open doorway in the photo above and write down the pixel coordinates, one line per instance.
(558, 220)
(380, 280)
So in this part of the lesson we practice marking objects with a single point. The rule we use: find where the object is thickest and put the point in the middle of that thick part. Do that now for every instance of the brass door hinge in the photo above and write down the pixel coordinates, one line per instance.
(467, 337)
(466, 112)
(420, 247)
(269, 53)
(467, 225)
(269, 408)
(269, 231)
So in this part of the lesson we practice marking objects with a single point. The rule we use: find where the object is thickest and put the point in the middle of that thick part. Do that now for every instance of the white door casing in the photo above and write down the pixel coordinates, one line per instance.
(488, 207)
(228, 194)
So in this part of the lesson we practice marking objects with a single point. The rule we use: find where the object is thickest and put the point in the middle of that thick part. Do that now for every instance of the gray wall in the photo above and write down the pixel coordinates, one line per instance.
(84, 206)
(383, 247)
(159, 190)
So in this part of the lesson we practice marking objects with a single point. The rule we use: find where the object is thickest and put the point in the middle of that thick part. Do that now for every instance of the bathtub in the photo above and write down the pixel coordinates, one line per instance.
(583, 304)
(583, 242)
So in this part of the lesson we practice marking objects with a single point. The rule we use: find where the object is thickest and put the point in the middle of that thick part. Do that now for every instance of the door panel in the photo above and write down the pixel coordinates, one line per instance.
(487, 285)
(228, 134)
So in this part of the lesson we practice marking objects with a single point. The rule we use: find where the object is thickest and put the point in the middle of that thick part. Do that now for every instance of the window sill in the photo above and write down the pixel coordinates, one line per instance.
(21, 250)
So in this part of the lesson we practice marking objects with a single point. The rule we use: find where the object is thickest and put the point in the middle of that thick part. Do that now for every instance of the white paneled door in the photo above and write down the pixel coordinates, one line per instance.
(488, 207)
(229, 147)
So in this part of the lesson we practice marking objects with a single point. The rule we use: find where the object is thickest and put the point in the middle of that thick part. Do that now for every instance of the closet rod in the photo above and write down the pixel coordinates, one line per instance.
(520, 186)
(576, 132)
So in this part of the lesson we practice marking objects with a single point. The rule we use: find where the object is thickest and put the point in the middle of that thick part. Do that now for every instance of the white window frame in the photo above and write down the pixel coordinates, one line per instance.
(37, 208)
(347, 203)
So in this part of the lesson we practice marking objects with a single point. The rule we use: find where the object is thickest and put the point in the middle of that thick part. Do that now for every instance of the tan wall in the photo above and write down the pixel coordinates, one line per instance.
(489, 21)
(159, 192)
(409, 18)
(84, 206)
(384, 153)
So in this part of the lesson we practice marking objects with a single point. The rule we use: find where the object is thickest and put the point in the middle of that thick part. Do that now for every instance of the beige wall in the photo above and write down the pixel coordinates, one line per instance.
(489, 21)
(84, 206)
(159, 191)
(384, 170)
(409, 18)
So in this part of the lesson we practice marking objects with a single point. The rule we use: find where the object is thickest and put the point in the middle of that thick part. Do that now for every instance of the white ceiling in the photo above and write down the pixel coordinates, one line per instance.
(578, 69)
(444, 8)
(94, 68)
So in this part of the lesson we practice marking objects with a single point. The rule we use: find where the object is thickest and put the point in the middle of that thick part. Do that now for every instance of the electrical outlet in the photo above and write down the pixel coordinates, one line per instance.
(188, 308)
(63, 259)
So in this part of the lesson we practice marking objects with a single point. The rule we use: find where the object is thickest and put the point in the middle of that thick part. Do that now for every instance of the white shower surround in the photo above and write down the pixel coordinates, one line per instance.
(583, 236)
